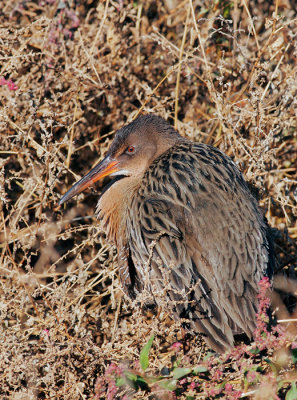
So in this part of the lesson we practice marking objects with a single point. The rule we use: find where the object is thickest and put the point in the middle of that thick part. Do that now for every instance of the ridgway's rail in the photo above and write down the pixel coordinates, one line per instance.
(186, 226)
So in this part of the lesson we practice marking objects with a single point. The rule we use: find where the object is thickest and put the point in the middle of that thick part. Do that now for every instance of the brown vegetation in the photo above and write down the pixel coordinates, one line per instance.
(71, 74)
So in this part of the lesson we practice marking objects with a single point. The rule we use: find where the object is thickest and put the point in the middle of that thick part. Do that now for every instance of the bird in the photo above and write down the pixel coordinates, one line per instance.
(187, 229)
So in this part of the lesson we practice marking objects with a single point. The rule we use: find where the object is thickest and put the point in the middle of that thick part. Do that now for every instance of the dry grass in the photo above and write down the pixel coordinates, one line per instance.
(71, 73)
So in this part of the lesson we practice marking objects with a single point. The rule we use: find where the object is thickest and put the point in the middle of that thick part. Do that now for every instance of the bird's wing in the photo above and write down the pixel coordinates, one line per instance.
(199, 225)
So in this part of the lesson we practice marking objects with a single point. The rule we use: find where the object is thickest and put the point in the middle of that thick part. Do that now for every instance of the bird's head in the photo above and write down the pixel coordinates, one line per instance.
(133, 149)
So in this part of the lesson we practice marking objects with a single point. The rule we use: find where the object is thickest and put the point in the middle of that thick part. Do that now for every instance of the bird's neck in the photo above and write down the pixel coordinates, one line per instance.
(113, 206)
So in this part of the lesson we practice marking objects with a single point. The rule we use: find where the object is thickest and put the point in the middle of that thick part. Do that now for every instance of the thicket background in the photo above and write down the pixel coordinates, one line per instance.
(73, 72)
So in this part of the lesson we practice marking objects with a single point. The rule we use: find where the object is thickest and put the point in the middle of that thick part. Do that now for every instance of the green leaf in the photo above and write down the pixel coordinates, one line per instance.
(154, 379)
(274, 367)
(255, 351)
(120, 382)
(208, 355)
(176, 363)
(168, 384)
(292, 393)
(144, 355)
(131, 383)
(130, 379)
(198, 370)
(131, 376)
(294, 356)
(259, 369)
(226, 12)
(135, 381)
(180, 372)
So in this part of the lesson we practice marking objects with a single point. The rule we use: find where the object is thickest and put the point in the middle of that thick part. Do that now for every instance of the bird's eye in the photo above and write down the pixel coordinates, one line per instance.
(130, 150)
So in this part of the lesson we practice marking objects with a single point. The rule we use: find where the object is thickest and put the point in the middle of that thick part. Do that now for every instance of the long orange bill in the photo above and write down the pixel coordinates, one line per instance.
(106, 167)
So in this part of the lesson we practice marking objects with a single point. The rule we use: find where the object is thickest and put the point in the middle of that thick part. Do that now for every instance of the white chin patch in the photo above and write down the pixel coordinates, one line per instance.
(121, 172)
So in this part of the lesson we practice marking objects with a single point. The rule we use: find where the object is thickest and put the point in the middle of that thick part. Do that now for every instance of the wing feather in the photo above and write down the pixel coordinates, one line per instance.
(200, 224)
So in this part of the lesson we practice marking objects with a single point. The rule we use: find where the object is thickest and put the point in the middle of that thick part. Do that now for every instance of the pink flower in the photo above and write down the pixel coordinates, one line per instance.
(251, 376)
(177, 346)
(9, 83)
(192, 385)
(228, 387)
(212, 392)
(217, 375)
